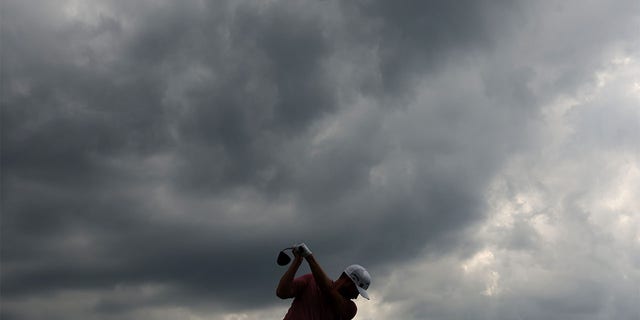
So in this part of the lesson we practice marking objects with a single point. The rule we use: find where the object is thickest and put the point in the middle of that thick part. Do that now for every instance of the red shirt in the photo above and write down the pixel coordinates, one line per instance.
(310, 304)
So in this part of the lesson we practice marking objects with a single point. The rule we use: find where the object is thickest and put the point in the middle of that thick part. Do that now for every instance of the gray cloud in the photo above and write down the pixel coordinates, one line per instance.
(156, 156)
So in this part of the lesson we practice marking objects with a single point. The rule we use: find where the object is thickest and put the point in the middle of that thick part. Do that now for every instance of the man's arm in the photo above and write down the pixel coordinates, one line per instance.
(325, 284)
(285, 288)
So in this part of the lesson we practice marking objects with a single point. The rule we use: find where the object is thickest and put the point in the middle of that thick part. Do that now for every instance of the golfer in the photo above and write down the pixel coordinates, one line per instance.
(316, 297)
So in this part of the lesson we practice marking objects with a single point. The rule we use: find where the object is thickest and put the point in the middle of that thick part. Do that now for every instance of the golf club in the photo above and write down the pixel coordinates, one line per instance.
(283, 258)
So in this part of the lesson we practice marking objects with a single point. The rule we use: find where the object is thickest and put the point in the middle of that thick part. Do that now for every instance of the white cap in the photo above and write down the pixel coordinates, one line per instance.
(360, 277)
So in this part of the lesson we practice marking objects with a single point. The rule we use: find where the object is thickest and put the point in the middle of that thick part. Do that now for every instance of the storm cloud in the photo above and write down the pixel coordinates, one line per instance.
(480, 158)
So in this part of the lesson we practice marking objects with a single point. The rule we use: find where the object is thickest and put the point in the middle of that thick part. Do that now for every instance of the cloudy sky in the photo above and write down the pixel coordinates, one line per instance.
(480, 158)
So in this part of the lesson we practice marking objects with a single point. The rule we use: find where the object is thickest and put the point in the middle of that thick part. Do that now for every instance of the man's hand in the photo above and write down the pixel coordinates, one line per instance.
(302, 250)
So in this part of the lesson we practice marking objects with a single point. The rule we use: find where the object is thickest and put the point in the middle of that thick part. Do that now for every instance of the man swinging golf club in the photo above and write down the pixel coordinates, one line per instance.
(316, 297)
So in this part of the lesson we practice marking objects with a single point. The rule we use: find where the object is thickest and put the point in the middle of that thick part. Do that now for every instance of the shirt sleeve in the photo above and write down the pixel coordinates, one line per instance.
(350, 311)
(299, 284)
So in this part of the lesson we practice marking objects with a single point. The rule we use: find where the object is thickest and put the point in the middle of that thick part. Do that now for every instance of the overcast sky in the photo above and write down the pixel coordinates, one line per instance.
(480, 158)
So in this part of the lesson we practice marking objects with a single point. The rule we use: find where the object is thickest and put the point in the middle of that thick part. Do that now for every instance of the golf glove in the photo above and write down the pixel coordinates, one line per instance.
(302, 250)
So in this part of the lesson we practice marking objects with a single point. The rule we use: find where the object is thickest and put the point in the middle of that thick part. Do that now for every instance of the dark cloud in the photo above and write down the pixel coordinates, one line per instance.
(423, 36)
(158, 155)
